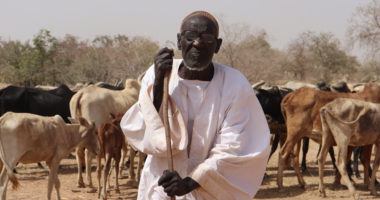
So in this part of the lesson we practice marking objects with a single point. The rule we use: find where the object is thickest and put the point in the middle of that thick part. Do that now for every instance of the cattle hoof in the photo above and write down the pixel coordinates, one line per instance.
(322, 194)
(81, 185)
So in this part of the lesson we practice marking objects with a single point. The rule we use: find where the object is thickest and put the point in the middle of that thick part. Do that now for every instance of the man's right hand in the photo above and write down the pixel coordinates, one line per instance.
(163, 62)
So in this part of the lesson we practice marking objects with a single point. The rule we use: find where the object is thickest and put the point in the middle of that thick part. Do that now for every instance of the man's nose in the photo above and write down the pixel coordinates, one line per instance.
(197, 42)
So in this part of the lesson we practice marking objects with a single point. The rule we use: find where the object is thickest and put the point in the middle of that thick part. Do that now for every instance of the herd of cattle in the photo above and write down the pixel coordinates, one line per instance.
(341, 117)
(47, 124)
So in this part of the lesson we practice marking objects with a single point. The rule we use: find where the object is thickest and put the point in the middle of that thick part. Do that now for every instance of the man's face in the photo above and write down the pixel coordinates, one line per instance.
(198, 41)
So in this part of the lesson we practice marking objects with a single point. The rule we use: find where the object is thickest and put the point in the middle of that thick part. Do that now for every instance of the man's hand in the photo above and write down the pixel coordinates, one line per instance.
(174, 185)
(163, 62)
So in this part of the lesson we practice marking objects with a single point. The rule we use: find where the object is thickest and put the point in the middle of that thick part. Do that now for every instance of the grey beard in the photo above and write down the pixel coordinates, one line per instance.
(196, 68)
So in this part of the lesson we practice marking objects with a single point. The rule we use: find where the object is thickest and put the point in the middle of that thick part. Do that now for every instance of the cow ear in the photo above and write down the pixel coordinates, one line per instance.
(83, 121)
(73, 120)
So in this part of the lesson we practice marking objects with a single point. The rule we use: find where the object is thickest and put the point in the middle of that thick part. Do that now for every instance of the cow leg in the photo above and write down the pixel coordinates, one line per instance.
(283, 156)
(275, 142)
(366, 160)
(3, 184)
(326, 145)
(53, 178)
(132, 155)
(99, 171)
(332, 156)
(142, 157)
(348, 165)
(89, 156)
(342, 159)
(124, 153)
(375, 166)
(296, 165)
(4, 179)
(80, 159)
(57, 184)
(117, 162)
(305, 149)
(105, 174)
(357, 152)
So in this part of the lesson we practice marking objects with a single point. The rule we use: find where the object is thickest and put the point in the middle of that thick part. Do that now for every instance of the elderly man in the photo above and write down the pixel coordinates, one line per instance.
(220, 137)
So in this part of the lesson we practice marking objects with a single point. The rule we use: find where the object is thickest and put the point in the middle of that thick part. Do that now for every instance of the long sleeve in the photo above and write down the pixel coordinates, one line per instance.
(143, 126)
(237, 161)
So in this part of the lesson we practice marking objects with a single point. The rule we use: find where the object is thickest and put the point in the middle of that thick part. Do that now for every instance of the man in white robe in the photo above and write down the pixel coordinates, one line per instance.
(220, 137)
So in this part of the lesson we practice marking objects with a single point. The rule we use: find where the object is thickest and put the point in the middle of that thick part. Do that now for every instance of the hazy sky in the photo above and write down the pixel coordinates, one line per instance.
(159, 20)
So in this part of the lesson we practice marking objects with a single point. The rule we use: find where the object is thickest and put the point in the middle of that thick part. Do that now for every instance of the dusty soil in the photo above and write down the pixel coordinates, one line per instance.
(33, 183)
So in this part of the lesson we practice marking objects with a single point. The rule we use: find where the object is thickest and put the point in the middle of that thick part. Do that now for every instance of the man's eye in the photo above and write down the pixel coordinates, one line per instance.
(208, 37)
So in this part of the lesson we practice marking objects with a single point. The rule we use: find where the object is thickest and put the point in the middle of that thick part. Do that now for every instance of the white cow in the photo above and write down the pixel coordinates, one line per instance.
(349, 122)
(95, 104)
(30, 138)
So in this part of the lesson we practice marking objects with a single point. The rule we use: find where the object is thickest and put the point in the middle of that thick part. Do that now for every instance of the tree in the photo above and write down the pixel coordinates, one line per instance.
(319, 54)
(364, 28)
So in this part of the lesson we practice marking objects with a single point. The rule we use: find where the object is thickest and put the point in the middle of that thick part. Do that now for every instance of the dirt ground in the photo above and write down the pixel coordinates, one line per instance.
(33, 183)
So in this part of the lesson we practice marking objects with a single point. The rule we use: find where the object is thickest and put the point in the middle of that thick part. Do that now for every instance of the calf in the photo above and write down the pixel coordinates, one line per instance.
(111, 141)
(349, 122)
(30, 138)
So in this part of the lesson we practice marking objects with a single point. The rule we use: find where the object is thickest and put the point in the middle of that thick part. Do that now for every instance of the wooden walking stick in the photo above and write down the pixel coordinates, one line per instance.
(166, 123)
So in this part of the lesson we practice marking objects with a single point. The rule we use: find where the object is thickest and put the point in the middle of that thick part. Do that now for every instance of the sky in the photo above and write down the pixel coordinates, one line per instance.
(159, 20)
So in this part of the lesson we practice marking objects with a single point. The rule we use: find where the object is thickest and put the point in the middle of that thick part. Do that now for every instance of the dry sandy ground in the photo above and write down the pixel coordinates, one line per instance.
(33, 182)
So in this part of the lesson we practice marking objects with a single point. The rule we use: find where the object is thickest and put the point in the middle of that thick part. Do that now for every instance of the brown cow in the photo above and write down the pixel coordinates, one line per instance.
(30, 138)
(301, 111)
(349, 122)
(111, 141)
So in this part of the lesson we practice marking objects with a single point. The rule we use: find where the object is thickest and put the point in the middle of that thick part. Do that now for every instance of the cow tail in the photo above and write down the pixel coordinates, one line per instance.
(77, 107)
(360, 115)
(13, 180)
(283, 106)
(10, 173)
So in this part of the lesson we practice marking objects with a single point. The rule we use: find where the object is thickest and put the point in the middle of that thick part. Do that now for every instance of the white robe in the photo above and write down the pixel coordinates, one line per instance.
(229, 144)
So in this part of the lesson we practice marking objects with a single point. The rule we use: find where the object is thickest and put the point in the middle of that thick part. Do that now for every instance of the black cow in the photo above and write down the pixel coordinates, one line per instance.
(270, 100)
(36, 101)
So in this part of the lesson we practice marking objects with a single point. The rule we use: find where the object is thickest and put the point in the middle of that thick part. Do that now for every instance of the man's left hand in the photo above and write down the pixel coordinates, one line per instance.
(174, 185)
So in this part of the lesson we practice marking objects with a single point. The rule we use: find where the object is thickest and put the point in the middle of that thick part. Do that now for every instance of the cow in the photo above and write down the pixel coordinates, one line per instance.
(30, 138)
(340, 86)
(36, 101)
(301, 111)
(111, 141)
(270, 100)
(95, 103)
(349, 122)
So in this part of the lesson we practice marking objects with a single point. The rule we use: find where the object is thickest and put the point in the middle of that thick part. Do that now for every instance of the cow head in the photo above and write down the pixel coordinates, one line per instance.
(88, 132)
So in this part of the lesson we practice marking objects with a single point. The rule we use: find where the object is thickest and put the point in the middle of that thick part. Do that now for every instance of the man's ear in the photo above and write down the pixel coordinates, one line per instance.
(179, 41)
(218, 44)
